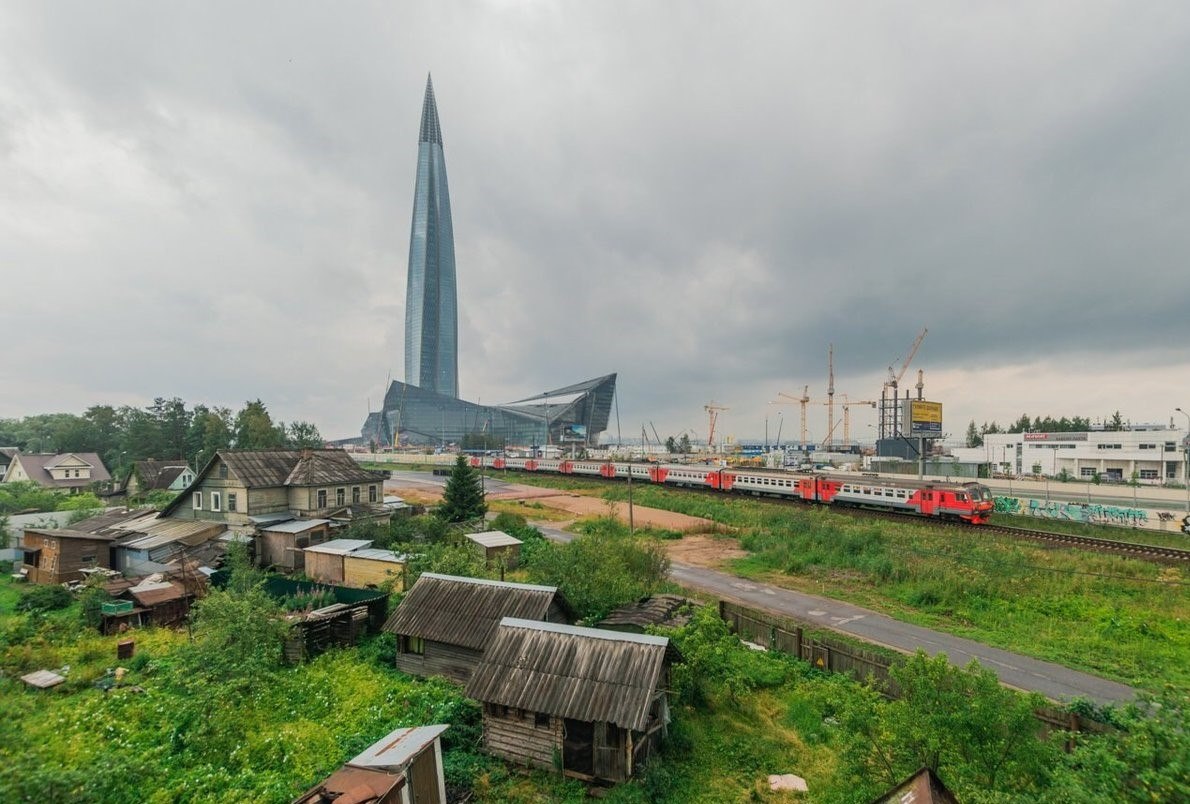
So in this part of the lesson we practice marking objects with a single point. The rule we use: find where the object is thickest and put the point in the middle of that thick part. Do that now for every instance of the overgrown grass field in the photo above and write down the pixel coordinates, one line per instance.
(1118, 617)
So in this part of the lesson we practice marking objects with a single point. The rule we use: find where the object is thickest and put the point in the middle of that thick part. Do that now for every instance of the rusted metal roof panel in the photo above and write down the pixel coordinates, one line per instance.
(350, 785)
(566, 671)
(465, 611)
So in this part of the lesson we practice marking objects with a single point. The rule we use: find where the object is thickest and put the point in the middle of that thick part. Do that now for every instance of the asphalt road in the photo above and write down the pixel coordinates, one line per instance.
(1021, 672)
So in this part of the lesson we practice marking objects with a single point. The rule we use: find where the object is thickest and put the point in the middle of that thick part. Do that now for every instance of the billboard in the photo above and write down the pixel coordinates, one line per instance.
(922, 419)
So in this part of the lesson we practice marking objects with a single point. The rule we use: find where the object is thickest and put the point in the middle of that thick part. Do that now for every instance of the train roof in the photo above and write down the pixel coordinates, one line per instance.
(862, 479)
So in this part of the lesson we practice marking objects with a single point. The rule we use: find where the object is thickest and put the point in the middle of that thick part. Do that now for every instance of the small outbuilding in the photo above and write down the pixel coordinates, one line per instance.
(371, 567)
(923, 787)
(61, 555)
(405, 767)
(666, 611)
(445, 621)
(282, 544)
(594, 699)
(324, 562)
(497, 548)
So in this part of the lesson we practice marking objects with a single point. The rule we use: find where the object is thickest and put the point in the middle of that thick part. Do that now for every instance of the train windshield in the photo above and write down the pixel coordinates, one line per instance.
(982, 493)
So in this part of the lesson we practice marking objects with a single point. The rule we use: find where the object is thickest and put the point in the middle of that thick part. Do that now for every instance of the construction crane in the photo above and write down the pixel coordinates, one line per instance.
(803, 400)
(847, 405)
(830, 399)
(888, 394)
(713, 412)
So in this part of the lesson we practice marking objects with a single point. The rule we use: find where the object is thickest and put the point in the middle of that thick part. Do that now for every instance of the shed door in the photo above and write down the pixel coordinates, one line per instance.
(576, 746)
(423, 775)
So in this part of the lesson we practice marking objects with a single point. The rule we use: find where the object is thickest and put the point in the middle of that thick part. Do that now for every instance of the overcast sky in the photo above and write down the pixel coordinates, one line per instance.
(212, 200)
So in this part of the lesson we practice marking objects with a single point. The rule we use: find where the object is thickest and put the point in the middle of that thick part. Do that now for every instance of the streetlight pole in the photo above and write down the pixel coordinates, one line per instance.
(1186, 458)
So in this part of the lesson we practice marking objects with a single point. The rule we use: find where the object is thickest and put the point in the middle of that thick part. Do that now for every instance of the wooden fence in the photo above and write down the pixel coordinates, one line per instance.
(786, 636)
(838, 656)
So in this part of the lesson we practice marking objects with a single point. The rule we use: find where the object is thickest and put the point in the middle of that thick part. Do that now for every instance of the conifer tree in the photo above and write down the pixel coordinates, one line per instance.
(463, 498)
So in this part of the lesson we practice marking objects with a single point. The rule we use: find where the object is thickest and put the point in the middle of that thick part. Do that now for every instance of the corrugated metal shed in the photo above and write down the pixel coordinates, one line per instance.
(296, 525)
(394, 751)
(465, 611)
(494, 538)
(153, 594)
(339, 547)
(566, 671)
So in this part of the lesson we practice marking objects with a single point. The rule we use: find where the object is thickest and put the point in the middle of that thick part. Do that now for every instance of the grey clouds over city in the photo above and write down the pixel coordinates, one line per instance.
(213, 201)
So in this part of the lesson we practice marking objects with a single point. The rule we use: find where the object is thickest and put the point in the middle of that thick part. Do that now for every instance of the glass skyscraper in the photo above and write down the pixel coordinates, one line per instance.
(431, 303)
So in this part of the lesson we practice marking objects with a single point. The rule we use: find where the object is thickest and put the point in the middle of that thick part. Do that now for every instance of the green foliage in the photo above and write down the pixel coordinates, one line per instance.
(961, 723)
(601, 569)
(448, 559)
(238, 630)
(91, 600)
(315, 598)
(715, 662)
(463, 497)
(303, 435)
(40, 598)
(254, 428)
(24, 495)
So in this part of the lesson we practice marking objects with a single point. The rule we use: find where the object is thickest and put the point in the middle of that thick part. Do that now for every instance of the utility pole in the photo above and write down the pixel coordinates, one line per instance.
(830, 400)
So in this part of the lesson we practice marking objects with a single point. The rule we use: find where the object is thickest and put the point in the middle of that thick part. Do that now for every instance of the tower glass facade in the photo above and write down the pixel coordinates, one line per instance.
(431, 304)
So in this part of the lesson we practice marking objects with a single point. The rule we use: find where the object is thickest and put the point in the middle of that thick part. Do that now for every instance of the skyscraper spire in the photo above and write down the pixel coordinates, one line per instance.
(431, 131)
(431, 301)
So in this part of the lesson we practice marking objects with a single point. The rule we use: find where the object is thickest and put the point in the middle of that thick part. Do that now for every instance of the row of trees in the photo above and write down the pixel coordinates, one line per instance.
(165, 429)
(1048, 424)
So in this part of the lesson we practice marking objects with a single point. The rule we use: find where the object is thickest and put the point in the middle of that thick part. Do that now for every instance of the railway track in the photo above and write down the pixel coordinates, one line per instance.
(1148, 552)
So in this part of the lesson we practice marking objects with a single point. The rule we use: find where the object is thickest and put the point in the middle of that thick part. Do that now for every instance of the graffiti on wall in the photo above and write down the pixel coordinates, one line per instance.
(1072, 512)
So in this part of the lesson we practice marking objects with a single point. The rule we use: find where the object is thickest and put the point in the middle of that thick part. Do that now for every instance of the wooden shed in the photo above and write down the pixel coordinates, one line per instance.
(57, 556)
(667, 611)
(282, 544)
(371, 567)
(593, 698)
(324, 562)
(923, 787)
(444, 622)
(497, 547)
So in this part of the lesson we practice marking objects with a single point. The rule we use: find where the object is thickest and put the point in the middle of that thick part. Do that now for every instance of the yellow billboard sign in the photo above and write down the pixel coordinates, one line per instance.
(920, 411)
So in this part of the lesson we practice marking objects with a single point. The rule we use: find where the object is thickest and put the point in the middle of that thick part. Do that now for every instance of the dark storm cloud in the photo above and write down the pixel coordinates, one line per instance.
(701, 196)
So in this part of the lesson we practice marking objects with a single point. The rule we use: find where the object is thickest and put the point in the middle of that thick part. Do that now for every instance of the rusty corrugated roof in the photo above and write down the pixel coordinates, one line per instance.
(465, 611)
(586, 674)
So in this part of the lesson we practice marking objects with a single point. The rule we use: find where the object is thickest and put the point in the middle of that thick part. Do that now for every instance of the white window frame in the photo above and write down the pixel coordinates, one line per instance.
(196, 501)
(216, 501)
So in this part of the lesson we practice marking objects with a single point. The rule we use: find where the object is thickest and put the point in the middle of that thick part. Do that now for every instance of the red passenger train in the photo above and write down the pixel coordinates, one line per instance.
(967, 502)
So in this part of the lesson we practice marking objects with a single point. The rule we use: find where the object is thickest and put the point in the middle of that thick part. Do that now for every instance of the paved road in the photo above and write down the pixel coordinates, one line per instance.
(1022, 672)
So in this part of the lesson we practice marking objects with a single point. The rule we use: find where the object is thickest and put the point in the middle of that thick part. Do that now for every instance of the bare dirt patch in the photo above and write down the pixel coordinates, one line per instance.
(704, 551)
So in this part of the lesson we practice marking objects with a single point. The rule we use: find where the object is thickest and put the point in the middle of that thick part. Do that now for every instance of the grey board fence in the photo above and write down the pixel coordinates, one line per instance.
(838, 656)
(786, 636)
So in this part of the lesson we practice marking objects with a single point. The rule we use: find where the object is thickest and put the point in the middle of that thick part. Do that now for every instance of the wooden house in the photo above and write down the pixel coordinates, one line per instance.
(149, 476)
(497, 548)
(405, 767)
(444, 622)
(71, 471)
(592, 698)
(58, 556)
(237, 487)
(282, 545)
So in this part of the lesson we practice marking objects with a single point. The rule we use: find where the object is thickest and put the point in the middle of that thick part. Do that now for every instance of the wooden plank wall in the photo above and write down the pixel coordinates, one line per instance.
(440, 659)
(516, 739)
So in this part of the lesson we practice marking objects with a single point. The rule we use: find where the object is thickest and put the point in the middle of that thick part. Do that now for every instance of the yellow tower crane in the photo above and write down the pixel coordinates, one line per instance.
(713, 412)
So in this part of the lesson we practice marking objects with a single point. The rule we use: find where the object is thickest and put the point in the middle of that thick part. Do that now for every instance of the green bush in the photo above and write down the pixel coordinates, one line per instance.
(45, 598)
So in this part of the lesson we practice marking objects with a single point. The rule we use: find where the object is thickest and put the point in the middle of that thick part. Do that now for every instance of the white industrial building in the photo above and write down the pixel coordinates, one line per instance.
(1152, 454)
